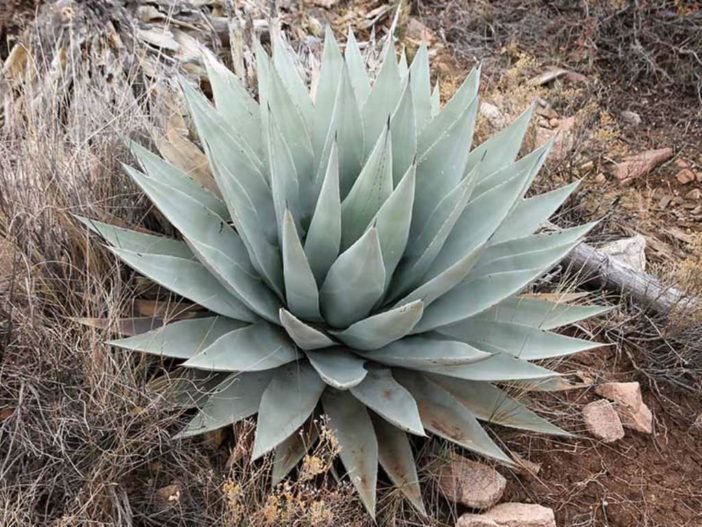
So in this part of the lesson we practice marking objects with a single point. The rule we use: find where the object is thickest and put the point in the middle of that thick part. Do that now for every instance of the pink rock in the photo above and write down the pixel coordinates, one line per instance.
(626, 393)
(475, 520)
(602, 421)
(637, 165)
(473, 484)
(685, 176)
(629, 404)
(521, 515)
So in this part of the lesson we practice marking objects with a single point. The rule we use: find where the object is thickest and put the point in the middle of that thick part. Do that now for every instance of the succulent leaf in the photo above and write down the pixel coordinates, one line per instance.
(351, 424)
(489, 403)
(180, 340)
(286, 403)
(305, 336)
(260, 346)
(238, 397)
(395, 456)
(354, 283)
(338, 367)
(445, 416)
(380, 392)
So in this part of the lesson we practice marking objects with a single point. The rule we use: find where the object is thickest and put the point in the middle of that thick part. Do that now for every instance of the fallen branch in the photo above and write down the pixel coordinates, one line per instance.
(609, 273)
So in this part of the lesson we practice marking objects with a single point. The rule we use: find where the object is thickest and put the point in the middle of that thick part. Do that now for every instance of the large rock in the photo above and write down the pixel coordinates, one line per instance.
(475, 520)
(629, 404)
(521, 515)
(642, 163)
(470, 483)
(602, 421)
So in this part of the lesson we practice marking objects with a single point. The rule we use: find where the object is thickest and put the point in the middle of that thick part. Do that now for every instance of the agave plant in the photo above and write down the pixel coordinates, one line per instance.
(354, 257)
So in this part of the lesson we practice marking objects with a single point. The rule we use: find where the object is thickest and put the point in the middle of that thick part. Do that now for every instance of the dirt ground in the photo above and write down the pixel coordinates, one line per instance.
(109, 458)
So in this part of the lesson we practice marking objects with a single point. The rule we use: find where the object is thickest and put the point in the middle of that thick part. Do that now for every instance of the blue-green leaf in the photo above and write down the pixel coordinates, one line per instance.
(260, 346)
(491, 404)
(236, 398)
(353, 428)
(393, 222)
(539, 313)
(169, 175)
(357, 70)
(305, 336)
(214, 243)
(338, 367)
(531, 213)
(300, 286)
(180, 340)
(421, 352)
(354, 283)
(371, 189)
(138, 242)
(289, 399)
(525, 342)
(443, 415)
(421, 86)
(502, 148)
(329, 79)
(380, 330)
(380, 392)
(404, 136)
(324, 234)
(383, 97)
(395, 456)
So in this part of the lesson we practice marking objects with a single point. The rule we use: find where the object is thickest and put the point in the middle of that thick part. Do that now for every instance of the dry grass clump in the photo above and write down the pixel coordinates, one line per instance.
(654, 43)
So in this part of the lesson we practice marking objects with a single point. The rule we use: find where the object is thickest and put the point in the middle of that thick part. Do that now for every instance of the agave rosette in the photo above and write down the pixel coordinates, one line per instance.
(355, 258)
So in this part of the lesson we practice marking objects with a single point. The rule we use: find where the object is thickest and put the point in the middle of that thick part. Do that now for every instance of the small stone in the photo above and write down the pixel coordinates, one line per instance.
(637, 165)
(685, 176)
(631, 118)
(471, 483)
(167, 496)
(600, 178)
(681, 163)
(493, 114)
(694, 194)
(633, 412)
(475, 520)
(553, 122)
(521, 515)
(602, 421)
(629, 251)
(698, 175)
